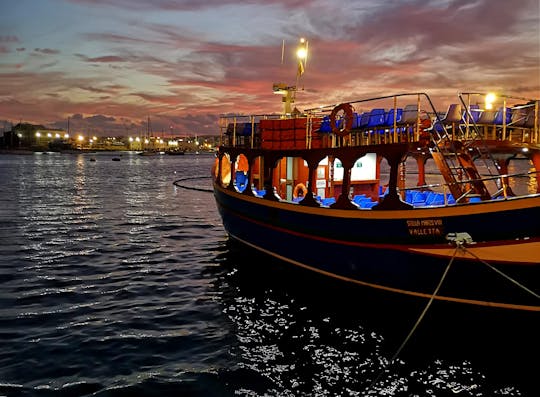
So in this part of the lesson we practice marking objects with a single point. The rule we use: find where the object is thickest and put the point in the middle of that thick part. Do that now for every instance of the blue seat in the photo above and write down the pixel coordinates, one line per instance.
(487, 117)
(358, 198)
(419, 199)
(389, 118)
(241, 181)
(356, 121)
(438, 127)
(363, 120)
(435, 199)
(362, 201)
(408, 196)
(499, 116)
(475, 113)
(376, 118)
(369, 204)
(325, 125)
(430, 196)
(453, 114)
(245, 129)
(328, 201)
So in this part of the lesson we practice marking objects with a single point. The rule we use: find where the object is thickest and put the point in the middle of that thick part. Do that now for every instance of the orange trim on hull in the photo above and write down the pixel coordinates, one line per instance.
(511, 252)
(500, 305)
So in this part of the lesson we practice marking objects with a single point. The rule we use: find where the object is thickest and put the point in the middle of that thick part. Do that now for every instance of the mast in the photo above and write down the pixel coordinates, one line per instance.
(288, 93)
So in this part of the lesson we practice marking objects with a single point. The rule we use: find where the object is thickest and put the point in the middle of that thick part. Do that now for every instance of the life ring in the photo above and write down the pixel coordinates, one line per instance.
(347, 110)
(297, 189)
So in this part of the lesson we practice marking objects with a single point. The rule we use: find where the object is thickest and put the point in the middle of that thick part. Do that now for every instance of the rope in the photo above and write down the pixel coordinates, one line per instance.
(200, 189)
(502, 274)
(421, 317)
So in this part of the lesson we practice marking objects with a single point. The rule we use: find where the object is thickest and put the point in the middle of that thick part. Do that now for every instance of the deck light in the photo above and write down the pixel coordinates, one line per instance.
(490, 98)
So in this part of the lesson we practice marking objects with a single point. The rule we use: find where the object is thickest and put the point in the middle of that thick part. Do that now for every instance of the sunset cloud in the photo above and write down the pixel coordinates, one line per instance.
(113, 63)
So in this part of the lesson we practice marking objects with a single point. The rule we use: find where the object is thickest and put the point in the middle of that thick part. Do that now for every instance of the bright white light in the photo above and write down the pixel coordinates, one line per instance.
(490, 98)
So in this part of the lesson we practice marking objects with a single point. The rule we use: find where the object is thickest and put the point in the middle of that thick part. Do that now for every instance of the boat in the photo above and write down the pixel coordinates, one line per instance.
(175, 152)
(329, 189)
(146, 150)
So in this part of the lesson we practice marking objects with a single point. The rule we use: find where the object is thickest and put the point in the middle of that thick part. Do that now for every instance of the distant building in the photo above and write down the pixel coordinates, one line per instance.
(34, 136)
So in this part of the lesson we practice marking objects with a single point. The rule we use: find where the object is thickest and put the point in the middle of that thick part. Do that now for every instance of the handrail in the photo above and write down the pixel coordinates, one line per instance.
(487, 178)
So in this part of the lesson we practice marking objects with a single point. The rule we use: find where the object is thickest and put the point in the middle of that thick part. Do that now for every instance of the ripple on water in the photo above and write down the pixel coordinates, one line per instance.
(116, 282)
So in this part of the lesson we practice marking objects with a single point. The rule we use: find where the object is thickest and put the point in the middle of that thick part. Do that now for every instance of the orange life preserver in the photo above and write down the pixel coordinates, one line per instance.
(297, 189)
(347, 120)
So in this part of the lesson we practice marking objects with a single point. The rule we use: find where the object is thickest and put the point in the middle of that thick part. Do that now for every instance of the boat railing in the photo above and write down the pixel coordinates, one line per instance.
(407, 117)
(379, 120)
(435, 194)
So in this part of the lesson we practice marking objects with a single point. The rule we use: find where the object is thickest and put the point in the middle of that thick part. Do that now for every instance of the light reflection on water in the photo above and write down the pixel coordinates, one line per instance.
(115, 282)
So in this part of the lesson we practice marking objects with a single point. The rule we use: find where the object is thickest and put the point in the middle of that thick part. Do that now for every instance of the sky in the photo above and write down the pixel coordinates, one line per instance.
(112, 65)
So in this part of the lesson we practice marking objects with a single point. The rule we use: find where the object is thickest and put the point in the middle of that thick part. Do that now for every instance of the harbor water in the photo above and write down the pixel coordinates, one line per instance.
(116, 282)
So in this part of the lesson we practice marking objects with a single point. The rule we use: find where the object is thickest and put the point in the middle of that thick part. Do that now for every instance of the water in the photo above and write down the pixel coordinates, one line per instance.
(114, 282)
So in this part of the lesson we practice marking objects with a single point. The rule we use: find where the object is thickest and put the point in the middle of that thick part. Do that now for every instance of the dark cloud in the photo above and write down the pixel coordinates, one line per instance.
(105, 59)
(46, 51)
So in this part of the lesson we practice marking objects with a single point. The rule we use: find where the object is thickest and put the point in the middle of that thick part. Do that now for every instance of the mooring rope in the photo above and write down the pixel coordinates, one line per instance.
(421, 317)
(501, 273)
(189, 178)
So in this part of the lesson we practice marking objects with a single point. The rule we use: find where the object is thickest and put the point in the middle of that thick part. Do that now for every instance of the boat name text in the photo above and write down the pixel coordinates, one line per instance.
(425, 227)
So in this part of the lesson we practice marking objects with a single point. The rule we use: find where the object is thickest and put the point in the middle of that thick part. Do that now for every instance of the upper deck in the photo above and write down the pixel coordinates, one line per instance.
(505, 122)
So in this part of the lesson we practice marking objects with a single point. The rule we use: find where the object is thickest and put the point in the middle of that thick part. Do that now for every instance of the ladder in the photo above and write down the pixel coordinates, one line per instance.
(454, 155)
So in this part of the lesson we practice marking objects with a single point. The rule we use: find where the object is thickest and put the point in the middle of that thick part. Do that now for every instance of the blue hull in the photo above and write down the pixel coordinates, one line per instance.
(385, 249)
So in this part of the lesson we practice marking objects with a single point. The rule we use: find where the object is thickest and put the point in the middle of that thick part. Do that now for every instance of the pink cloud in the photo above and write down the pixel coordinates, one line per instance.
(185, 79)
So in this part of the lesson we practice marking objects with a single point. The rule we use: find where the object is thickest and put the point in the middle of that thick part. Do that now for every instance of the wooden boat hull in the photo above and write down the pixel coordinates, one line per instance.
(401, 251)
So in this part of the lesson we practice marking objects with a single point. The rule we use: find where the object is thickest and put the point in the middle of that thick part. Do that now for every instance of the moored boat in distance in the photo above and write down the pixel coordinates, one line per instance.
(308, 188)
